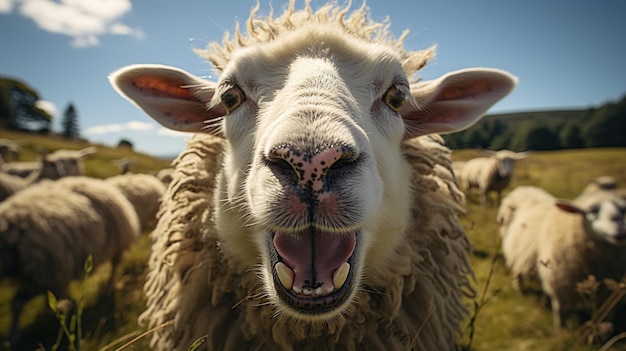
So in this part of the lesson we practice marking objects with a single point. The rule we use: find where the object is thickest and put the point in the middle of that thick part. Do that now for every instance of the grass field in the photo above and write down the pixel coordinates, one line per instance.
(503, 320)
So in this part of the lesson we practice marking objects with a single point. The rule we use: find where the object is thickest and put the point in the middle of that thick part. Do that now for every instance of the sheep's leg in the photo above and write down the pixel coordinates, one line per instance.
(557, 315)
(483, 199)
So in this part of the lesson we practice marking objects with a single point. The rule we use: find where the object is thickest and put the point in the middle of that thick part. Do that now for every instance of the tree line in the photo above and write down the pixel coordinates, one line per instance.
(19, 110)
(604, 126)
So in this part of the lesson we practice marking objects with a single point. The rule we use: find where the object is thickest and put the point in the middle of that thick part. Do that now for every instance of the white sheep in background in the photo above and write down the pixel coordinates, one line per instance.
(10, 150)
(306, 214)
(21, 169)
(144, 191)
(48, 230)
(519, 231)
(61, 163)
(570, 241)
(10, 185)
(579, 239)
(602, 184)
(54, 165)
(487, 174)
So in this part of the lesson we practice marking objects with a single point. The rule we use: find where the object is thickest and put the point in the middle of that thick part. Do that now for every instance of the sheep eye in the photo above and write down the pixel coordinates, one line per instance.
(232, 98)
(394, 98)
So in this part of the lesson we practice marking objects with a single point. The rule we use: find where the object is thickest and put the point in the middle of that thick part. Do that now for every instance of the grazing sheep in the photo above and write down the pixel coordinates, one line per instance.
(579, 239)
(48, 230)
(144, 191)
(10, 149)
(306, 213)
(55, 165)
(61, 163)
(10, 185)
(602, 184)
(491, 173)
(568, 241)
(21, 169)
(519, 231)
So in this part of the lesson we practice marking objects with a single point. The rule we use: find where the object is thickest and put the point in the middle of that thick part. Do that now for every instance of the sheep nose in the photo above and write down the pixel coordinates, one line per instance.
(311, 168)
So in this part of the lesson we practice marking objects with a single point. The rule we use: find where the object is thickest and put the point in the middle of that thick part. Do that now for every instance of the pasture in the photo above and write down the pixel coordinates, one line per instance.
(500, 318)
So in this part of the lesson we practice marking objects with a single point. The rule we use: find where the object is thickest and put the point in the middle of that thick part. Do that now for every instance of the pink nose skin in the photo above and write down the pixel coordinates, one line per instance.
(311, 169)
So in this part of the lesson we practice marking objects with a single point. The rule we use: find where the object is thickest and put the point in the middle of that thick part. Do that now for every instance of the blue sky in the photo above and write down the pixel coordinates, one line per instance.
(567, 54)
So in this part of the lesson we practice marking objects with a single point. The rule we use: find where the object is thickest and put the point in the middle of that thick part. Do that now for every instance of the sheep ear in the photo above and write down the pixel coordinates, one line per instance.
(455, 101)
(176, 99)
(568, 206)
(522, 155)
(86, 152)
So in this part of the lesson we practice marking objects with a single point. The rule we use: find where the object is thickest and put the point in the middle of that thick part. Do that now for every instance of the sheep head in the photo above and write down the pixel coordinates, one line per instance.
(314, 189)
(604, 216)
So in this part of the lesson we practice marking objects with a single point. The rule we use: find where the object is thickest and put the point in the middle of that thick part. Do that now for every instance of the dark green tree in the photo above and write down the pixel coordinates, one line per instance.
(606, 126)
(70, 123)
(531, 136)
(18, 107)
(571, 136)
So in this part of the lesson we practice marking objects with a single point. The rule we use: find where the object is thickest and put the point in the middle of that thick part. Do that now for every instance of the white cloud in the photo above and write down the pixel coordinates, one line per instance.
(47, 106)
(119, 127)
(83, 20)
(138, 125)
(6, 6)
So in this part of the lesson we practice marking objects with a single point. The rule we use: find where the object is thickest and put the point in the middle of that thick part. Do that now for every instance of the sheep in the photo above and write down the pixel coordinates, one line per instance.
(144, 191)
(21, 169)
(53, 165)
(61, 163)
(10, 149)
(519, 235)
(561, 242)
(579, 239)
(493, 173)
(10, 185)
(602, 184)
(48, 230)
(312, 137)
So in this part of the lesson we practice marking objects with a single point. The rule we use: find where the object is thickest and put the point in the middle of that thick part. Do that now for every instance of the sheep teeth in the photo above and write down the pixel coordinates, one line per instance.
(340, 275)
(285, 275)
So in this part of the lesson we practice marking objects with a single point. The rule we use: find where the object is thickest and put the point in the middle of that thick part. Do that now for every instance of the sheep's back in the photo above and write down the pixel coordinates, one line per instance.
(144, 192)
(52, 231)
(120, 221)
(478, 171)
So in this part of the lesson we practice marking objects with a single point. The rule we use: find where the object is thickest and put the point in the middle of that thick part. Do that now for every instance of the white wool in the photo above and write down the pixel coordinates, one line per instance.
(48, 230)
(487, 174)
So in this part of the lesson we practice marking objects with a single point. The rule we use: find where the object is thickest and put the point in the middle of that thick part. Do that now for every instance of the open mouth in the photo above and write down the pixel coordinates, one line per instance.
(313, 271)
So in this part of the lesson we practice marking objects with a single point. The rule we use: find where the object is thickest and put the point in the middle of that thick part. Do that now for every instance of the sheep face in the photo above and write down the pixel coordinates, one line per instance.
(314, 190)
(605, 218)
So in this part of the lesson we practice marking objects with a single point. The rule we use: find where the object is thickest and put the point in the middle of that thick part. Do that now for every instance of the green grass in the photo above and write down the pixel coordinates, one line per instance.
(506, 319)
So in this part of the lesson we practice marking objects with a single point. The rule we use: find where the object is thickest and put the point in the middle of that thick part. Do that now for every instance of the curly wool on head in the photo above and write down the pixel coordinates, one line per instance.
(358, 24)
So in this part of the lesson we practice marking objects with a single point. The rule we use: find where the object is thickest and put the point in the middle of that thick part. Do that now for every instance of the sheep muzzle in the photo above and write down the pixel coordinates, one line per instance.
(313, 270)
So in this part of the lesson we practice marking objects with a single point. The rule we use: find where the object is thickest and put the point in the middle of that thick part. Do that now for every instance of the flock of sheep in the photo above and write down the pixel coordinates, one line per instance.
(315, 207)
(556, 242)
(53, 217)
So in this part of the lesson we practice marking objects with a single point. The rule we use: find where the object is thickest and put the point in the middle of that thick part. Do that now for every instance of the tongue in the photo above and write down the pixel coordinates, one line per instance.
(314, 256)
